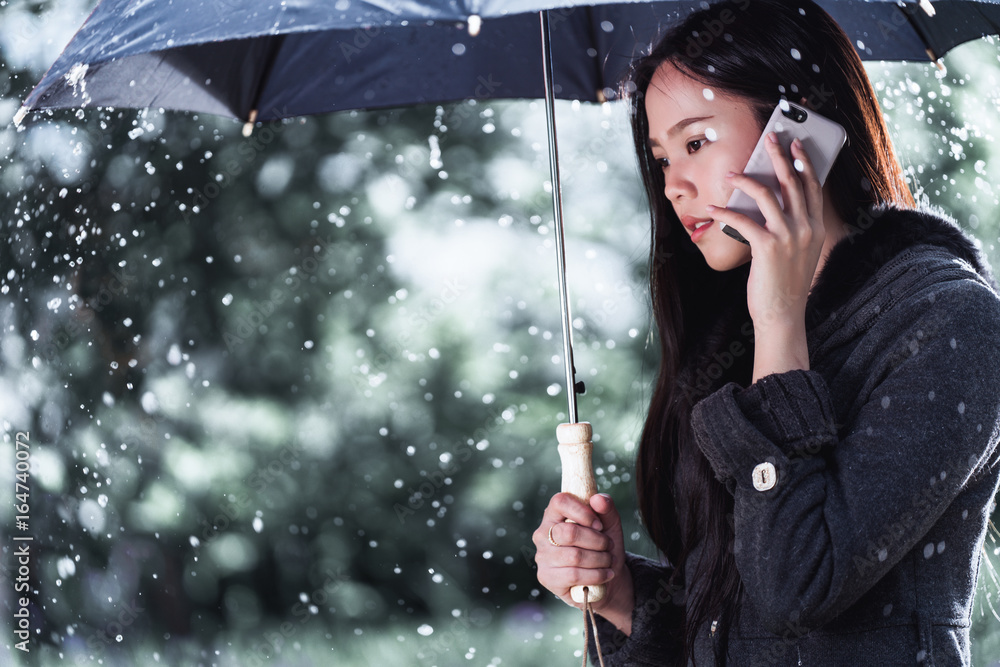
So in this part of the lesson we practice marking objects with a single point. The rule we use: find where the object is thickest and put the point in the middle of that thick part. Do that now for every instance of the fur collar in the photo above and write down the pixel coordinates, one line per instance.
(877, 236)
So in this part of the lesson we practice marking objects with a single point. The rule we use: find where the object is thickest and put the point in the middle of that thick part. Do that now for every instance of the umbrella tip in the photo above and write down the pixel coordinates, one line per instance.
(248, 126)
(475, 23)
(935, 60)
(20, 116)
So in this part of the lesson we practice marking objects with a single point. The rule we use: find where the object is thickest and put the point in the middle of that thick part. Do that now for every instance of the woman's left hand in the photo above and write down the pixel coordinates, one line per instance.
(785, 253)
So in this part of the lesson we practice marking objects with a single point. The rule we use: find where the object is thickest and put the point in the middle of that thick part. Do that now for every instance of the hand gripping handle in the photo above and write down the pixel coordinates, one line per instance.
(575, 450)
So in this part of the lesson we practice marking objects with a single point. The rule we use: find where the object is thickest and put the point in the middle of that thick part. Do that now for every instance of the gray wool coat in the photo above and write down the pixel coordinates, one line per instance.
(863, 486)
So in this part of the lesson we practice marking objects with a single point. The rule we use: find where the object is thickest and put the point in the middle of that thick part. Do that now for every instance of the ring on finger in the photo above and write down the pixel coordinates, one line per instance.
(554, 543)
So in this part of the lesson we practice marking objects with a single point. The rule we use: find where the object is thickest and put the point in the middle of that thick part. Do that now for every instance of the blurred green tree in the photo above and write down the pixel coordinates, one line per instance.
(293, 396)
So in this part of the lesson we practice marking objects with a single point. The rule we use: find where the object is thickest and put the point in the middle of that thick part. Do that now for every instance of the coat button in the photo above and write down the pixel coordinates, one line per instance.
(764, 476)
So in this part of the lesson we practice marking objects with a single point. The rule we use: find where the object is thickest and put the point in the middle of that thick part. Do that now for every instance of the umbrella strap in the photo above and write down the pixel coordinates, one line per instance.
(587, 609)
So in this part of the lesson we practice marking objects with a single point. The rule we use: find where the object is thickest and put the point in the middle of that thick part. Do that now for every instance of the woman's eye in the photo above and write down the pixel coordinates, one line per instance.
(663, 162)
(695, 145)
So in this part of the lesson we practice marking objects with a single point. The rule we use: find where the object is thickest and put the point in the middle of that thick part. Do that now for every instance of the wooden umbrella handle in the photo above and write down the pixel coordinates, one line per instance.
(575, 448)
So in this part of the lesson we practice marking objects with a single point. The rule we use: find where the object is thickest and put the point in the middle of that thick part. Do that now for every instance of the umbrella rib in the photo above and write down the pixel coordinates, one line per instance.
(550, 115)
(911, 18)
(250, 114)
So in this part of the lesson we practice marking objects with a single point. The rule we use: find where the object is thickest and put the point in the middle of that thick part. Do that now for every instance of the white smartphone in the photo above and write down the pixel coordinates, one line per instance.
(821, 138)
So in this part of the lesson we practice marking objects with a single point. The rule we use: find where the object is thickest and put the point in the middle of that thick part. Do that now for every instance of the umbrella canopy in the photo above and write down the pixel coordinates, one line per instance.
(260, 61)
(256, 61)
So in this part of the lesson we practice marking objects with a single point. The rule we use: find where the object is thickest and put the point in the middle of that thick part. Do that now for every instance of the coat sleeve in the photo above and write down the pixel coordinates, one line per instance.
(656, 620)
(829, 528)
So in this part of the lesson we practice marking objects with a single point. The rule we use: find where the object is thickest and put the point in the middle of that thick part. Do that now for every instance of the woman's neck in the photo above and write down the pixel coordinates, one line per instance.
(836, 230)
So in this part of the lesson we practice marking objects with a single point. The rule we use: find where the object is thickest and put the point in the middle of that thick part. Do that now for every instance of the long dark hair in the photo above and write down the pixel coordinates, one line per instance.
(762, 51)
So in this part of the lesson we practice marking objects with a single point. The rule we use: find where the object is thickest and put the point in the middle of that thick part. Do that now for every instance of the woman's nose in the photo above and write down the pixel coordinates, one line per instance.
(676, 186)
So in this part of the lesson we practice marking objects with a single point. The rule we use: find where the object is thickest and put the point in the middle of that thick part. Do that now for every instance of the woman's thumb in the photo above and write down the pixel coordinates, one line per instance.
(604, 506)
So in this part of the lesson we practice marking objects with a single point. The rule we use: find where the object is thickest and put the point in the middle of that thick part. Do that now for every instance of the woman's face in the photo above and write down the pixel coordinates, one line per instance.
(698, 135)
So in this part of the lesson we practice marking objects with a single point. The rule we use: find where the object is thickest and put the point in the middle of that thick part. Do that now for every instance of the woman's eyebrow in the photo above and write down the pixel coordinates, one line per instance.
(679, 127)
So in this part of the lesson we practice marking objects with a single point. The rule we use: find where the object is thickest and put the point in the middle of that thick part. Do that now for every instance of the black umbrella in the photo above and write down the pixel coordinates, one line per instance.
(252, 60)
(256, 62)
(260, 62)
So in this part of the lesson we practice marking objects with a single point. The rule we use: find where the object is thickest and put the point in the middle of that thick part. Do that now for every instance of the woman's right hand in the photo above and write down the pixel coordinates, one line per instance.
(587, 552)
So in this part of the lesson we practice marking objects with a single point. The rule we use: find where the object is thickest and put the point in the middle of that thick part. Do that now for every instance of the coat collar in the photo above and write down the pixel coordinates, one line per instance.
(878, 235)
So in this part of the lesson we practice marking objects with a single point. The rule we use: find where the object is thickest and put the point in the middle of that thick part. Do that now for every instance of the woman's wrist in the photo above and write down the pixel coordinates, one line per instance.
(780, 348)
(618, 610)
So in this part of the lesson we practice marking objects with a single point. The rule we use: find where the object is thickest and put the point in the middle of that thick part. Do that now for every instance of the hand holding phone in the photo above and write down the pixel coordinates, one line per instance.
(821, 138)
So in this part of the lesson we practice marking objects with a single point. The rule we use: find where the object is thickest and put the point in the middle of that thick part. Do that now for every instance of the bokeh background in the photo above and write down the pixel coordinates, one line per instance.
(291, 398)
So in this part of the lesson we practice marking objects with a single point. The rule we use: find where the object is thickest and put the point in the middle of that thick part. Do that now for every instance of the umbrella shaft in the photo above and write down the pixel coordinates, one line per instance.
(550, 115)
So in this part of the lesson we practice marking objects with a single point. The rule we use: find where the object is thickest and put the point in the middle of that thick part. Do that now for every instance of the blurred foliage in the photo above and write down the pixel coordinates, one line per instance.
(292, 397)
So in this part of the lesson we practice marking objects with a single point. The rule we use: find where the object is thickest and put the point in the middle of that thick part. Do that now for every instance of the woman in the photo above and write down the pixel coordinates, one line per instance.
(819, 458)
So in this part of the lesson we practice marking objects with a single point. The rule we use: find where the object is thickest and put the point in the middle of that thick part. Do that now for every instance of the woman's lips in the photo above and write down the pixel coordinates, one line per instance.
(697, 226)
